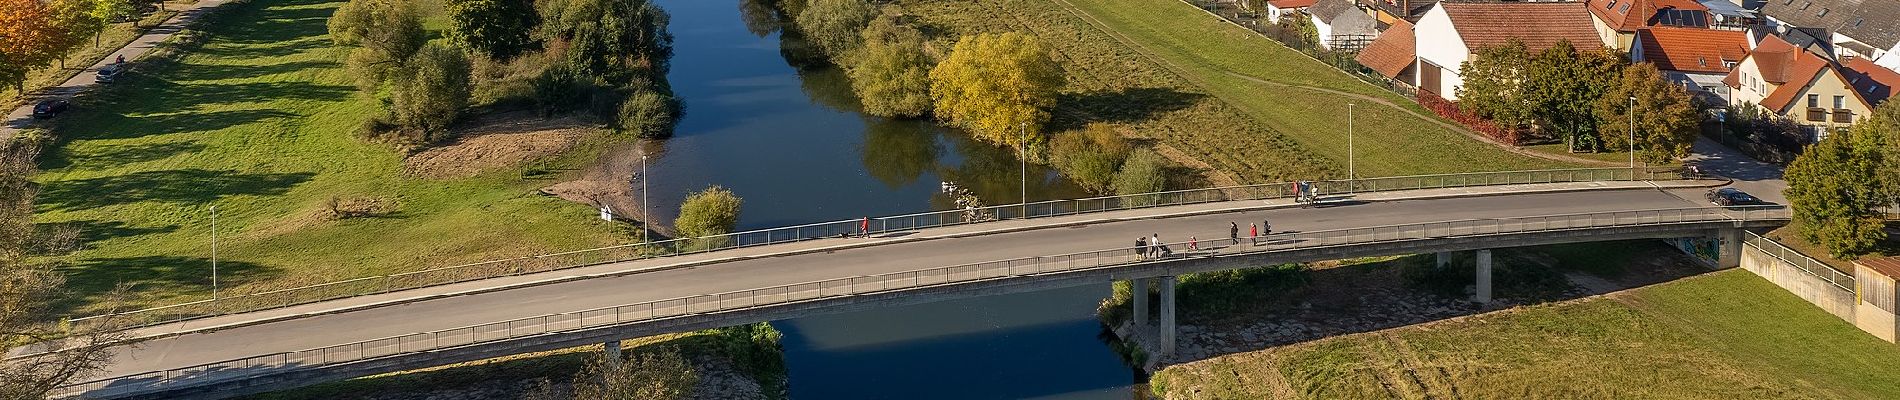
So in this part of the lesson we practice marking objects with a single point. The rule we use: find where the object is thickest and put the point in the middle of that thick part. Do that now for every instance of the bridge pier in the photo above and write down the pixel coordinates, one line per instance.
(1167, 317)
(1483, 293)
(1140, 292)
(1728, 244)
(610, 350)
(1443, 258)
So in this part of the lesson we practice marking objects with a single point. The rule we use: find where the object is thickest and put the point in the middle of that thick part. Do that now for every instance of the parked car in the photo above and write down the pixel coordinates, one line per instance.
(1731, 197)
(110, 72)
(49, 108)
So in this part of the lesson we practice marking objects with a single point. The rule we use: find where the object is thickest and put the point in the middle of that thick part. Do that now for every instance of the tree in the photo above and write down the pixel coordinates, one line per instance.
(1090, 157)
(1666, 117)
(1562, 86)
(109, 11)
(647, 114)
(623, 42)
(1493, 84)
(892, 77)
(27, 288)
(713, 211)
(1837, 190)
(391, 28)
(996, 85)
(499, 29)
(431, 94)
(75, 21)
(663, 374)
(29, 38)
(1144, 172)
(835, 24)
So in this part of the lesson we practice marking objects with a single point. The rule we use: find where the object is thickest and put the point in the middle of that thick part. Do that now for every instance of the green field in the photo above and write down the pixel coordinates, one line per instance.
(259, 121)
(1220, 93)
(1725, 334)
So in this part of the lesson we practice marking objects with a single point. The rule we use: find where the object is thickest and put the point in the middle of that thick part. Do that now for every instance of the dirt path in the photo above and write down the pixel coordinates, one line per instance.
(1180, 72)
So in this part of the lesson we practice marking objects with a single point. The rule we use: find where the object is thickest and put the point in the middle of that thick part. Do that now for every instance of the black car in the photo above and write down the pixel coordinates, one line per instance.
(49, 108)
(1731, 197)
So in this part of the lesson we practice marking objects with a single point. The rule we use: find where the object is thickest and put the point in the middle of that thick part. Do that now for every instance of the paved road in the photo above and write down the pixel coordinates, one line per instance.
(450, 312)
(1755, 177)
(22, 117)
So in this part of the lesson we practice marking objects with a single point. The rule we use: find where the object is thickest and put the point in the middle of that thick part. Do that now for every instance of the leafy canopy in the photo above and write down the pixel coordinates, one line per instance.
(835, 24)
(996, 85)
(1665, 115)
(499, 29)
(892, 76)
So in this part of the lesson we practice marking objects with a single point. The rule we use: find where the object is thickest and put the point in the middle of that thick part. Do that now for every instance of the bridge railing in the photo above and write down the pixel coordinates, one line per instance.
(378, 284)
(867, 284)
(1794, 258)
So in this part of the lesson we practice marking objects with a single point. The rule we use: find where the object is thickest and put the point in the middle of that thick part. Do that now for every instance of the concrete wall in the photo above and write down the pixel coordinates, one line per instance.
(1814, 289)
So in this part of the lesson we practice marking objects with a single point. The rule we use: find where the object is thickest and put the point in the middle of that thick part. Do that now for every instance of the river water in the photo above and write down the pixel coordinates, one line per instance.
(791, 142)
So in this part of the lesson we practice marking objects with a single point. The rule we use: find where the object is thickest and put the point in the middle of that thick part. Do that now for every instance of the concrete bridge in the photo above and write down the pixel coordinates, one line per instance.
(289, 347)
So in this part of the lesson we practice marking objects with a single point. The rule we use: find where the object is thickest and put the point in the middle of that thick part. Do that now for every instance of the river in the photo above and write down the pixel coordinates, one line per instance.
(792, 143)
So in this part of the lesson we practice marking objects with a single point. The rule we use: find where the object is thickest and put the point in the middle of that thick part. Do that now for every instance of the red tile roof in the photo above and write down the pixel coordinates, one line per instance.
(1539, 25)
(1692, 49)
(1630, 15)
(1392, 52)
(1792, 68)
(1889, 266)
(1292, 3)
(1872, 82)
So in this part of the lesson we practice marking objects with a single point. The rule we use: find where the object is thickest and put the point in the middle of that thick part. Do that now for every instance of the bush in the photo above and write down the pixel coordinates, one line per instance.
(1143, 172)
(1090, 157)
(647, 114)
(1215, 293)
(431, 94)
(714, 211)
(892, 77)
(835, 24)
(661, 374)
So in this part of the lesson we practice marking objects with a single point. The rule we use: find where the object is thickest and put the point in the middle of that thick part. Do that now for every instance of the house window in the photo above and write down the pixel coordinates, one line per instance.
(1611, 5)
(1624, 10)
(1840, 102)
(1804, 6)
(1728, 65)
(1814, 101)
(1823, 12)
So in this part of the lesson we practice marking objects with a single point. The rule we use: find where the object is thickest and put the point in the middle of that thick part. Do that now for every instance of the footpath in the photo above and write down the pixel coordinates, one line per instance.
(21, 119)
(825, 245)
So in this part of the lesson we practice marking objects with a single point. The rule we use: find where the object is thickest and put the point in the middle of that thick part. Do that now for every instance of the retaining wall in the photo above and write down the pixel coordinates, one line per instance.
(1810, 287)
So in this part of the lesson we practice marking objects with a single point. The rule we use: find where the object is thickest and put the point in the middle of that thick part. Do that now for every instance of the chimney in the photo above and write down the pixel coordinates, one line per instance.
(1405, 9)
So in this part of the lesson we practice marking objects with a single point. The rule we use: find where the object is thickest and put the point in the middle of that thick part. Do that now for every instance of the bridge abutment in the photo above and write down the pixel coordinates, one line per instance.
(1483, 292)
(1728, 244)
(1166, 337)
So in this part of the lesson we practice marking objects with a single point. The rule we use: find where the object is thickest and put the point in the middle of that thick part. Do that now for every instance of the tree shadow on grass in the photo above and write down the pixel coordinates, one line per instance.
(156, 274)
(1121, 106)
(114, 126)
(91, 231)
(179, 187)
(119, 154)
(199, 72)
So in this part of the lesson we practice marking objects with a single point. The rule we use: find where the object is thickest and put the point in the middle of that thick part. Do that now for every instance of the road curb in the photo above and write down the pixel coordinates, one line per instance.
(691, 264)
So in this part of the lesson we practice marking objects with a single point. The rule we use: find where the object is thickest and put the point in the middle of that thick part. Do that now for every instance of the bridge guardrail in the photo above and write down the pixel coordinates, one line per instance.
(1803, 262)
(936, 276)
(379, 284)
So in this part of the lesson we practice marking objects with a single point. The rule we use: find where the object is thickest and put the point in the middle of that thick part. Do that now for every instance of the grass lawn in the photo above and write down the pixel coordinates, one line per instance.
(115, 36)
(259, 121)
(1726, 334)
(1220, 93)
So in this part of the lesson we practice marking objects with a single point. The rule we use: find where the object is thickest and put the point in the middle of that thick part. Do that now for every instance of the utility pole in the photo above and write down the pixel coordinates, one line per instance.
(1022, 158)
(214, 251)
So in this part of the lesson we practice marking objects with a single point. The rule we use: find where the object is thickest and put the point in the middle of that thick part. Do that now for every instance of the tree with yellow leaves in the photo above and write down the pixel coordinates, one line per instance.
(997, 85)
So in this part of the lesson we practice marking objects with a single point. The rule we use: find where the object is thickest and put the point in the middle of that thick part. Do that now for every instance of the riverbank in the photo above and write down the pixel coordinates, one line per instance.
(741, 363)
(1666, 328)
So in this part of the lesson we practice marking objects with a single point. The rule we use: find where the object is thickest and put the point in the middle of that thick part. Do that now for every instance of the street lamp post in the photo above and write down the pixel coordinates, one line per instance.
(1022, 158)
(1351, 170)
(1632, 114)
(214, 252)
(646, 217)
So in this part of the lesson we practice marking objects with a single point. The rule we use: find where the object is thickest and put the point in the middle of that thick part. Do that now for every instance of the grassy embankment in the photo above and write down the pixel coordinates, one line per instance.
(1221, 94)
(116, 35)
(258, 121)
(757, 358)
(1725, 334)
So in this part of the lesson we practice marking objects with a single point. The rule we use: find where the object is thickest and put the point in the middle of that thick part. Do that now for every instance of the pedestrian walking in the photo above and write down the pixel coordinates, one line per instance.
(1266, 228)
(1253, 234)
(1194, 243)
(1154, 244)
(1233, 231)
(864, 227)
(1141, 246)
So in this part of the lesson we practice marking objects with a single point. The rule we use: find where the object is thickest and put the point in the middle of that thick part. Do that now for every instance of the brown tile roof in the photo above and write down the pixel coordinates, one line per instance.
(1874, 83)
(1291, 3)
(1392, 52)
(1889, 266)
(1539, 25)
(1630, 15)
(1692, 49)
(1792, 68)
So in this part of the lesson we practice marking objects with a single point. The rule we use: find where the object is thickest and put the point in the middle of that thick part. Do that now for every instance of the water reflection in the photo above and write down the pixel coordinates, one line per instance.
(899, 152)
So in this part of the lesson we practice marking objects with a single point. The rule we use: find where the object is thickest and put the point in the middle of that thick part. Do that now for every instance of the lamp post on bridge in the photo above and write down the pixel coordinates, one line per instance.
(1022, 158)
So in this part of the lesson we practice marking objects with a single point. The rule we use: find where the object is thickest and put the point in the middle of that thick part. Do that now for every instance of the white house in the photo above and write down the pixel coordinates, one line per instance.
(1277, 9)
(1452, 31)
(1342, 25)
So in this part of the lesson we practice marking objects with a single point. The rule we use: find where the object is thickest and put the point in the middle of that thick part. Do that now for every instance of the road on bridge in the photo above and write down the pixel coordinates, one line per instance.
(451, 312)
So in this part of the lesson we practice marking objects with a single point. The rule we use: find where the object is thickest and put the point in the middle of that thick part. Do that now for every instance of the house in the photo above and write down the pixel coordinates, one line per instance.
(1873, 82)
(1393, 53)
(1390, 12)
(1617, 21)
(1342, 25)
(1451, 32)
(1695, 58)
(1798, 84)
(1277, 9)
(1860, 28)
